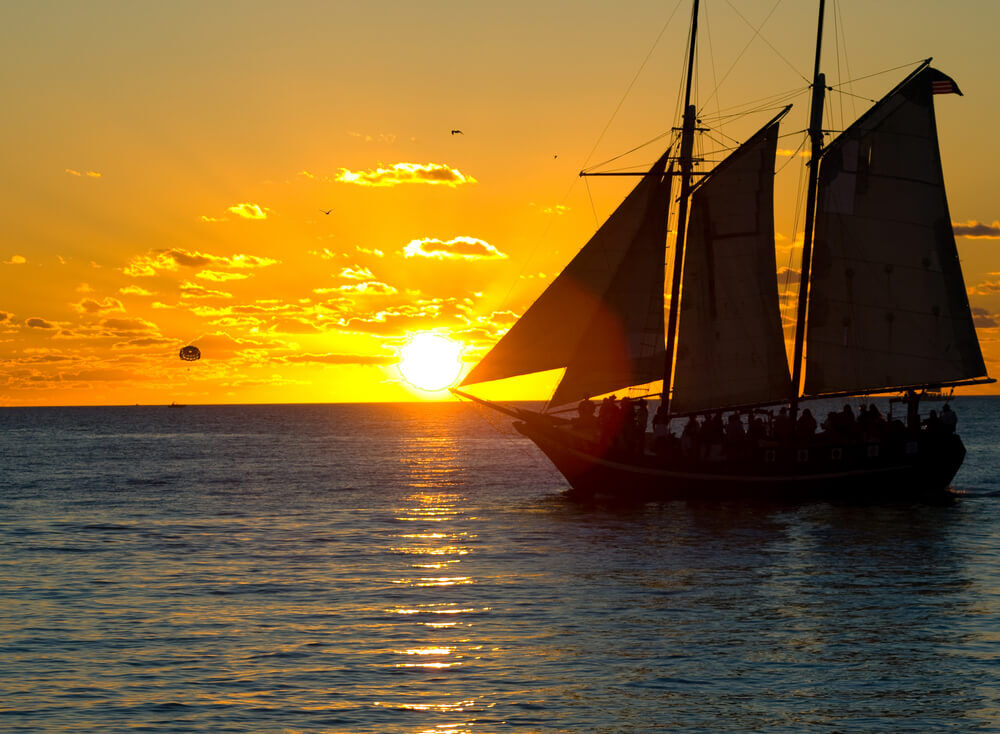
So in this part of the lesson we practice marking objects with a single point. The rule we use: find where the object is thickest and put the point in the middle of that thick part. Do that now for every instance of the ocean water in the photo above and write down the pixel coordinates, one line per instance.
(417, 568)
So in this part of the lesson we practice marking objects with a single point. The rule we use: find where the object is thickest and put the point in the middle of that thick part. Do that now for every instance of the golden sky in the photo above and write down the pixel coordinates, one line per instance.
(167, 169)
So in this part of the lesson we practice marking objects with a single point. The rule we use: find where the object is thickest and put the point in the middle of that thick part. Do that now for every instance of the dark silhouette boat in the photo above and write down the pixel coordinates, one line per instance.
(882, 309)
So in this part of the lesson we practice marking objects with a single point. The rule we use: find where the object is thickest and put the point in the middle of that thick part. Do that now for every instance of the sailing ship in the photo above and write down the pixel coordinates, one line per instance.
(882, 309)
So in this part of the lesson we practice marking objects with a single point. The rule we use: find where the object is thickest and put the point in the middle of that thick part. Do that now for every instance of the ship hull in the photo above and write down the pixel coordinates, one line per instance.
(911, 468)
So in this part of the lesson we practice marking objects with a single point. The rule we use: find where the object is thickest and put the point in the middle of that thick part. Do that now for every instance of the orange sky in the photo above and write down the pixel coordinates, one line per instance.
(166, 168)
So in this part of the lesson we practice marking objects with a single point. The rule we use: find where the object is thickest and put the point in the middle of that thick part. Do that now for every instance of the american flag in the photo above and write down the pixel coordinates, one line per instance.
(944, 86)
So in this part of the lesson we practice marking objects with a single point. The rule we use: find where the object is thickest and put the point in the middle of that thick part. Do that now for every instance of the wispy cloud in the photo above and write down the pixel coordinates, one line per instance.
(366, 251)
(94, 306)
(338, 359)
(357, 273)
(983, 319)
(378, 138)
(172, 259)
(134, 290)
(249, 210)
(366, 288)
(974, 230)
(16, 260)
(219, 276)
(84, 174)
(402, 173)
(36, 323)
(193, 290)
(460, 248)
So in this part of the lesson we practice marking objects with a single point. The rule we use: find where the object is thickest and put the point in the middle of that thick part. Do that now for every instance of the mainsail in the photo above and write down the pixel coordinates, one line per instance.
(731, 348)
(888, 306)
(601, 318)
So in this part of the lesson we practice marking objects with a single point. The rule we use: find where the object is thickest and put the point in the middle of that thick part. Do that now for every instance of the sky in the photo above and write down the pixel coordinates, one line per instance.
(168, 169)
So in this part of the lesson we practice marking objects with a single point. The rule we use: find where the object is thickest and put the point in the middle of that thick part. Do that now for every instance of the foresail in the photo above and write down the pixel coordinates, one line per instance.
(731, 348)
(602, 317)
(887, 301)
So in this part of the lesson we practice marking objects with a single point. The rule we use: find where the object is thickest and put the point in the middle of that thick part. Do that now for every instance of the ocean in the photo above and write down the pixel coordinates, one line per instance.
(417, 568)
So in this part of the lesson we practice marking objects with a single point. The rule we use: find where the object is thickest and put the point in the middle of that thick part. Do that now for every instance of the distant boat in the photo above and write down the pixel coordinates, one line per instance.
(176, 405)
(882, 308)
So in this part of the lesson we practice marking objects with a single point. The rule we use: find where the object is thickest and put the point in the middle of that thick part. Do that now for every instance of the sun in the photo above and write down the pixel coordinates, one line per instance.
(430, 362)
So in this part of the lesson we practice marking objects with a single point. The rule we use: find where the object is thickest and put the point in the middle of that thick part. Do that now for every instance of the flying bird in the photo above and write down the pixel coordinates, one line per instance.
(457, 132)
(326, 211)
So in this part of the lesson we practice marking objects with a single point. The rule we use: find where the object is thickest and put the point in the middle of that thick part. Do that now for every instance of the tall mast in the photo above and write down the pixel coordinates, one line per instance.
(687, 164)
(816, 136)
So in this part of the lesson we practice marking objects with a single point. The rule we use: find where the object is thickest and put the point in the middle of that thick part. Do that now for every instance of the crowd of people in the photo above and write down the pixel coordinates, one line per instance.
(621, 425)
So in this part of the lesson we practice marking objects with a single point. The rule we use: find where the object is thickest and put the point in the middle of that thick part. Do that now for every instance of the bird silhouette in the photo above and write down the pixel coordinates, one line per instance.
(326, 211)
(457, 132)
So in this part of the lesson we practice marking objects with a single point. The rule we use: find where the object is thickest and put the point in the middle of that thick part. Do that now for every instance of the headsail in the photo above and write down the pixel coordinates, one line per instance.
(602, 317)
(888, 305)
(731, 348)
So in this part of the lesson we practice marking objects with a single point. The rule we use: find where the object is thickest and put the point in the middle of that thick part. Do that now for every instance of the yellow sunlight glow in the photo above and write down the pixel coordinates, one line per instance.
(430, 362)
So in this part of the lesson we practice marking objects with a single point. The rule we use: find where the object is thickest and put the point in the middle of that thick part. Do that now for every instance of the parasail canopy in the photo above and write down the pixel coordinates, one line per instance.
(190, 354)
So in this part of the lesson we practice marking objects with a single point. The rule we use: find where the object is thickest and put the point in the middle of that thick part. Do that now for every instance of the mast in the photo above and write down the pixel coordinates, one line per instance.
(686, 163)
(816, 136)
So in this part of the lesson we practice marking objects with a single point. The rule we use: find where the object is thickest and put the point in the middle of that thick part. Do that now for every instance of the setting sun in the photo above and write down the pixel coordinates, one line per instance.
(430, 362)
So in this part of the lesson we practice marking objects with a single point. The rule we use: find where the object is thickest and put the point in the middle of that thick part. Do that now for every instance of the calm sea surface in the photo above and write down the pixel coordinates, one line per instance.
(416, 568)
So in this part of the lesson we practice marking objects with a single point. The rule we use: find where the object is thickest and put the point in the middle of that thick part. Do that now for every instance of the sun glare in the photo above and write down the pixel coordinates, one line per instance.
(430, 362)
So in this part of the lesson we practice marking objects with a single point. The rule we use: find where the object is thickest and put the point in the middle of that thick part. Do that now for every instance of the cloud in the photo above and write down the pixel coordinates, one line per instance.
(16, 260)
(366, 288)
(87, 174)
(983, 319)
(985, 289)
(173, 258)
(125, 327)
(248, 210)
(376, 253)
(205, 218)
(974, 230)
(94, 306)
(142, 342)
(357, 273)
(220, 277)
(338, 359)
(193, 290)
(464, 248)
(400, 173)
(134, 290)
(379, 138)
(5, 316)
(788, 153)
(36, 323)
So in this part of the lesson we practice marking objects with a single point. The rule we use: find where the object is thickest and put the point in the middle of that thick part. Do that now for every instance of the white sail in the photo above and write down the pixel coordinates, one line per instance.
(887, 301)
(602, 317)
(730, 345)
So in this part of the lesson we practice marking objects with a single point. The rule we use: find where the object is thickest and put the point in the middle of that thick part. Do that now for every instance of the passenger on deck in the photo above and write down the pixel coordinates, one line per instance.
(933, 423)
(734, 429)
(661, 429)
(783, 426)
(690, 437)
(609, 418)
(805, 427)
(949, 420)
(585, 414)
(756, 431)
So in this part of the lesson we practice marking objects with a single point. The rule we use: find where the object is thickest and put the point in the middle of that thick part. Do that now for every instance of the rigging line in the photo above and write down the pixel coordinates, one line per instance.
(909, 65)
(851, 94)
(792, 157)
(757, 32)
(711, 56)
(632, 83)
(728, 119)
(590, 196)
(836, 47)
(847, 61)
(777, 96)
(627, 152)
